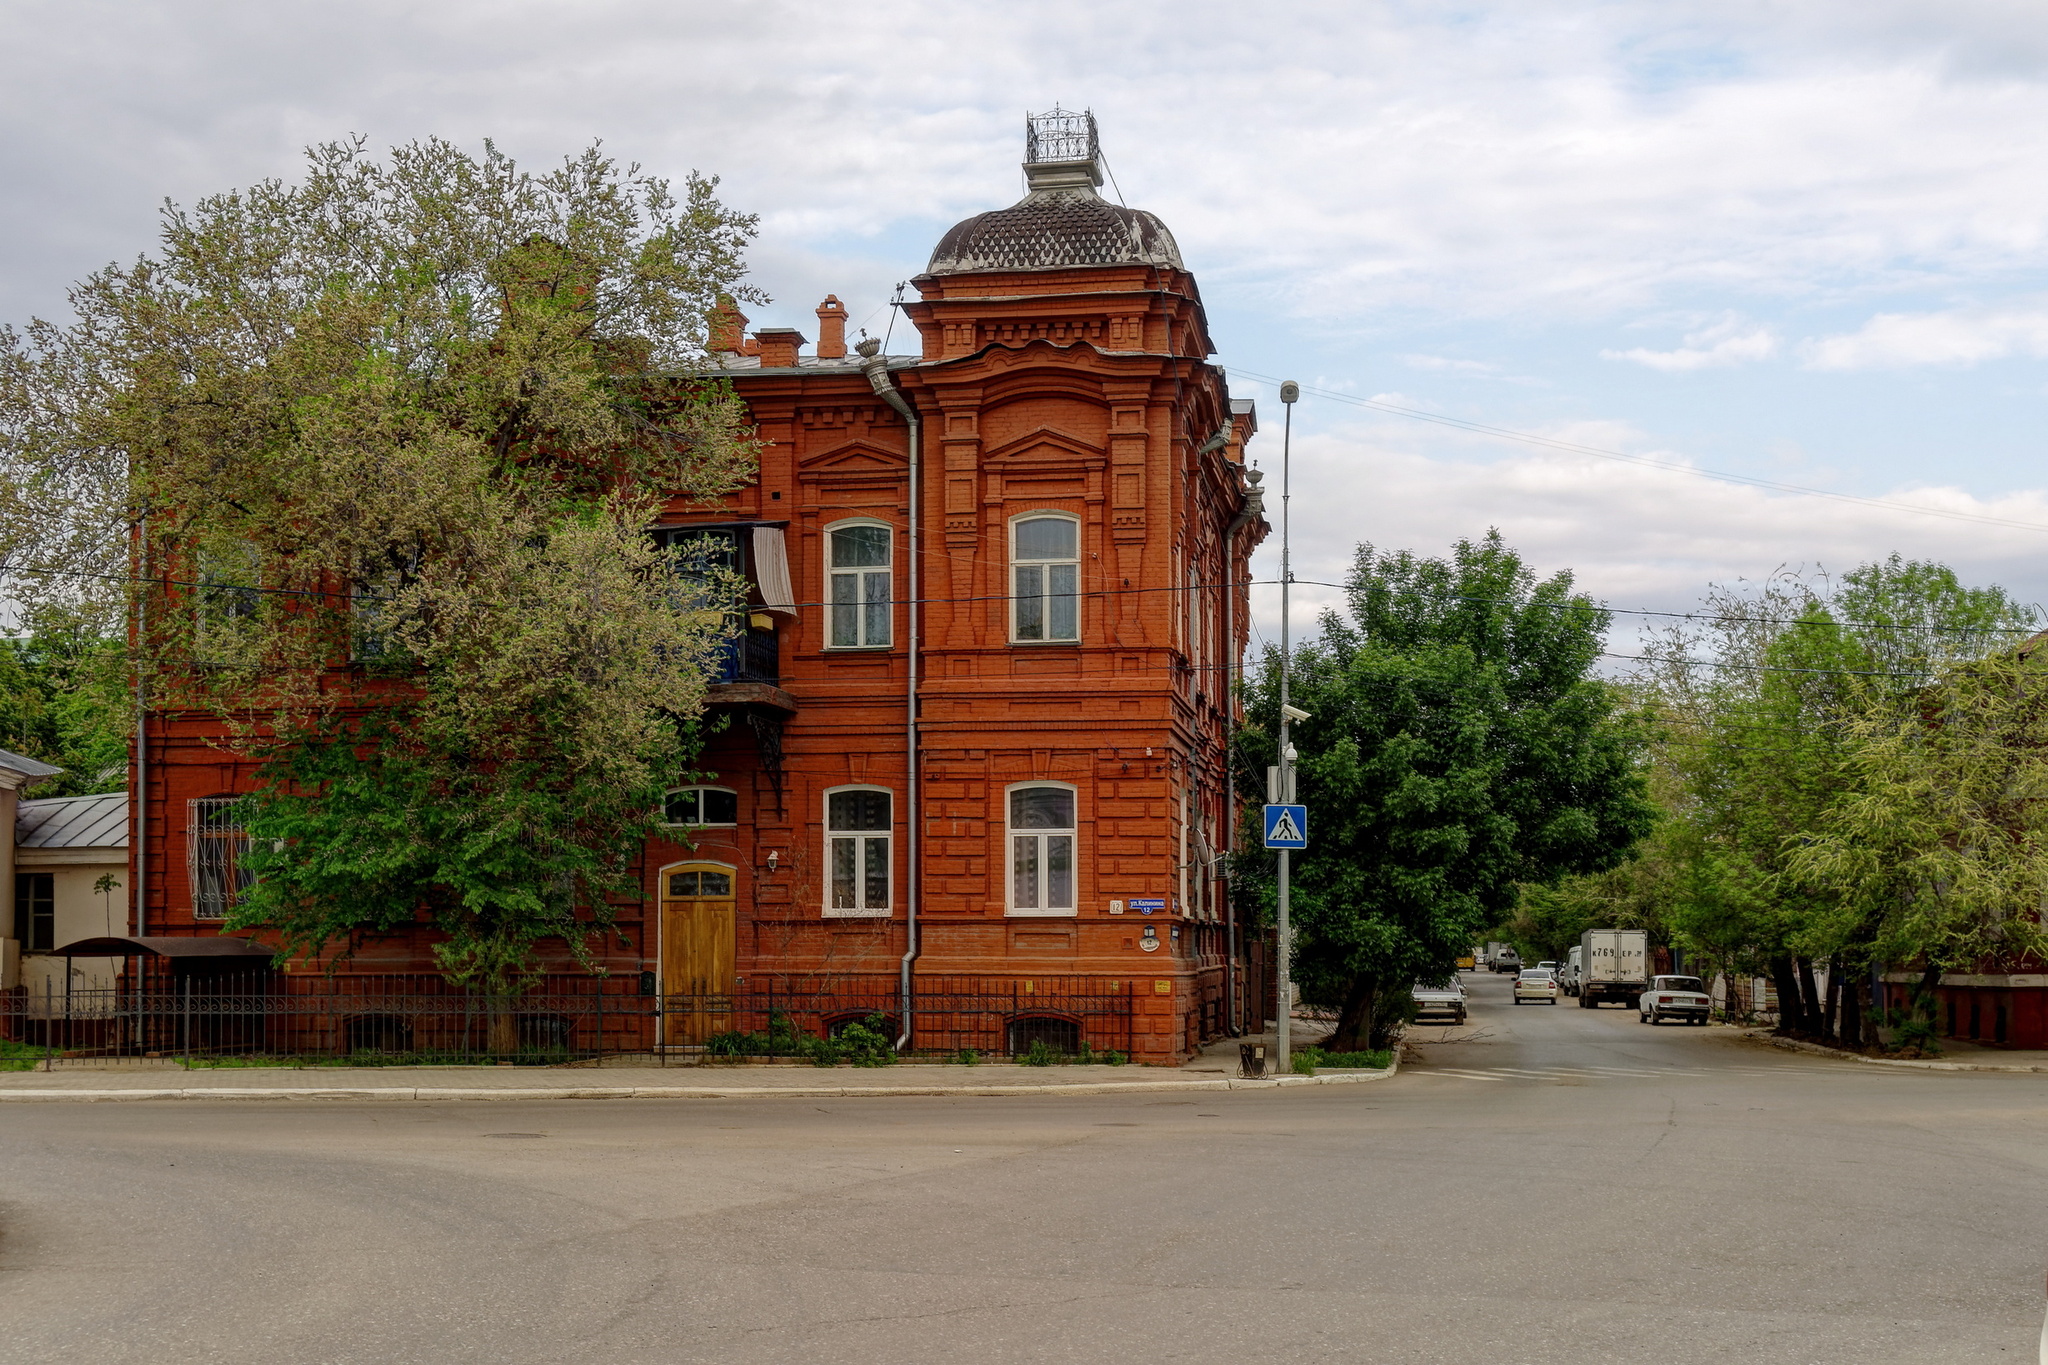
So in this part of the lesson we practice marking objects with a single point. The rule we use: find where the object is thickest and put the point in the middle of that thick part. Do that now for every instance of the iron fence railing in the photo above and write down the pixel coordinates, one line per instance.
(386, 1019)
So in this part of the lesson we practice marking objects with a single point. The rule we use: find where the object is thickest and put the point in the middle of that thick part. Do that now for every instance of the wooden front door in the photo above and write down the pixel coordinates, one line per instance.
(699, 950)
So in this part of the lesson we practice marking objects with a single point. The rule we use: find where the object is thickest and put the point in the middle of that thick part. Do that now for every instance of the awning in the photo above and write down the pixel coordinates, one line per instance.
(154, 945)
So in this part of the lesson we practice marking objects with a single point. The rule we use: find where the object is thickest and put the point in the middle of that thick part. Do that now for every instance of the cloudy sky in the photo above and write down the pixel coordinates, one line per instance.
(1802, 243)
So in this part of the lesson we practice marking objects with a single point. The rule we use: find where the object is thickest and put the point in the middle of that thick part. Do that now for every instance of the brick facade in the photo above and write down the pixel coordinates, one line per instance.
(1070, 426)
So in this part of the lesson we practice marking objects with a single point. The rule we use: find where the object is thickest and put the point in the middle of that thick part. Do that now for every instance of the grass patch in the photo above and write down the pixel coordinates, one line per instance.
(22, 1056)
(1307, 1059)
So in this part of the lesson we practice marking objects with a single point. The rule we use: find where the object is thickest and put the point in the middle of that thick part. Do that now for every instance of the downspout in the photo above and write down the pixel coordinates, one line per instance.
(1254, 507)
(876, 367)
(140, 804)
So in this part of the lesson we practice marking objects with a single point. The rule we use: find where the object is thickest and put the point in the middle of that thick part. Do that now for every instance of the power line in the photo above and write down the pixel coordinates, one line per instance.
(1650, 461)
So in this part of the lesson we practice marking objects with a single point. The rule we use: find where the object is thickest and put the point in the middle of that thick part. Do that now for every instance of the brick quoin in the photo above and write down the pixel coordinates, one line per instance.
(1061, 369)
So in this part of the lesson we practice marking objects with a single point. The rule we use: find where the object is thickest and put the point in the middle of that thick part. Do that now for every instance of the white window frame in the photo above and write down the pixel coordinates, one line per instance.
(1044, 597)
(701, 824)
(886, 571)
(863, 841)
(1009, 857)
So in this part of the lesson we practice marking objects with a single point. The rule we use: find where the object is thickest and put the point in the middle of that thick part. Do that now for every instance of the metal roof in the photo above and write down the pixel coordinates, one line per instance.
(1055, 229)
(27, 767)
(73, 822)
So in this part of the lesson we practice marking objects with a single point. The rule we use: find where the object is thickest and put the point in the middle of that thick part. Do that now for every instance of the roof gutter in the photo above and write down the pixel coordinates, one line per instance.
(876, 367)
(1254, 508)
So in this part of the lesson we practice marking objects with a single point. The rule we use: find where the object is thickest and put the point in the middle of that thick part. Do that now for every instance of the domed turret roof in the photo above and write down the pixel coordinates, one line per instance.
(1061, 223)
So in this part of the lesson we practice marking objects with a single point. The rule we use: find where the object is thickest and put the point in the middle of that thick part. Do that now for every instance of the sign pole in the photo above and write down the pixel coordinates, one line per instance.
(1283, 1006)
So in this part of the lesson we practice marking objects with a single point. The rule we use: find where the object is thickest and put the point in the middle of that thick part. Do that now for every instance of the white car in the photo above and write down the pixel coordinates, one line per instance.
(1536, 984)
(1445, 1002)
(1675, 997)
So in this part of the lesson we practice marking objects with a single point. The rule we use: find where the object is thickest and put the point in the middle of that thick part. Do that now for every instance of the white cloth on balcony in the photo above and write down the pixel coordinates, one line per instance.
(771, 571)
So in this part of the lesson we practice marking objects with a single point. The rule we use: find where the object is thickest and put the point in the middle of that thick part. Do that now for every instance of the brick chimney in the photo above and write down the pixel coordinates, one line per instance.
(728, 327)
(831, 329)
(779, 346)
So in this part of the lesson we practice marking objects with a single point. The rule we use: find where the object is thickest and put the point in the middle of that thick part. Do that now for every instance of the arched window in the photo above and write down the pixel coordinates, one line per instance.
(859, 829)
(700, 806)
(1045, 578)
(857, 563)
(216, 850)
(1043, 867)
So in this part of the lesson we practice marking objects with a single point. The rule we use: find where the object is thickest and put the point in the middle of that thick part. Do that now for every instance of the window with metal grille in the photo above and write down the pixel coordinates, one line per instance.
(35, 910)
(1045, 578)
(857, 851)
(216, 853)
(858, 585)
(701, 806)
(1042, 850)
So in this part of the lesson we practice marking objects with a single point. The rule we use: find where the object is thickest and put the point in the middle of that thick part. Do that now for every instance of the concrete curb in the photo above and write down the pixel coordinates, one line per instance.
(1796, 1045)
(681, 1092)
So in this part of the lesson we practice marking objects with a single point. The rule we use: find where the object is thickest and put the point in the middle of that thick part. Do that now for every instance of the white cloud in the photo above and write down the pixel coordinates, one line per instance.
(1955, 336)
(1633, 536)
(1730, 342)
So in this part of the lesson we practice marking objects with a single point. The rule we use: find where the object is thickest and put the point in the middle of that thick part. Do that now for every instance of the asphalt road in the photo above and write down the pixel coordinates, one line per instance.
(1554, 1185)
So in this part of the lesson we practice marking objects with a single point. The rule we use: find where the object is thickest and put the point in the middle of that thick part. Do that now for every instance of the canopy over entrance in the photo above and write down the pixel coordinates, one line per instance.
(155, 945)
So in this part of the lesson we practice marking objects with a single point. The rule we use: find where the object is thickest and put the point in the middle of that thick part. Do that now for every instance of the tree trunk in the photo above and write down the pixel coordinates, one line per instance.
(1832, 1011)
(1809, 1000)
(1787, 983)
(1354, 1020)
(1852, 1009)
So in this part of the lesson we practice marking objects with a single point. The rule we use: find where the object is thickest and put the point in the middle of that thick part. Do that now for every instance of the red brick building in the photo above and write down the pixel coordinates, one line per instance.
(978, 722)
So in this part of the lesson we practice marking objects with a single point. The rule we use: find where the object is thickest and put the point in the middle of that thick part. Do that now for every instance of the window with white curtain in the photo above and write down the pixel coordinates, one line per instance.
(1043, 867)
(858, 836)
(1045, 578)
(857, 584)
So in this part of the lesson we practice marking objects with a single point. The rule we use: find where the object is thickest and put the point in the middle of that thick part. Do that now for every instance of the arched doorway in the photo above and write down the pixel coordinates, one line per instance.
(699, 950)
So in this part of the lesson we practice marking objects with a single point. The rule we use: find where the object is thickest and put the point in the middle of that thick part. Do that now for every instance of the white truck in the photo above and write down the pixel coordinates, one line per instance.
(1614, 964)
(1568, 975)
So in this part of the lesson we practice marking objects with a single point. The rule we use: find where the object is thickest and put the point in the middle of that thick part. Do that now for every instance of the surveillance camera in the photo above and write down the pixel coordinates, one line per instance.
(1293, 713)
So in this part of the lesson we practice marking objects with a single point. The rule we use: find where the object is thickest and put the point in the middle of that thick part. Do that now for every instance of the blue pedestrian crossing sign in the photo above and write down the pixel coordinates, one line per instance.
(1287, 827)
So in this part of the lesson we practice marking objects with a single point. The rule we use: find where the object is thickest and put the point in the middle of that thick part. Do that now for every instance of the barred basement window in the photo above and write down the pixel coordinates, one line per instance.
(216, 852)
(857, 851)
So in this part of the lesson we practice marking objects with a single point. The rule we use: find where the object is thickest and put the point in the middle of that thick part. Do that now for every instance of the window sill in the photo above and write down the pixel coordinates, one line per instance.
(1041, 914)
(858, 914)
(686, 828)
(1043, 644)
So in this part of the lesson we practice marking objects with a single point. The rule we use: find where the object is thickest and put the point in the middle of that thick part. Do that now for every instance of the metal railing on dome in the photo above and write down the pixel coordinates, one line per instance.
(1060, 135)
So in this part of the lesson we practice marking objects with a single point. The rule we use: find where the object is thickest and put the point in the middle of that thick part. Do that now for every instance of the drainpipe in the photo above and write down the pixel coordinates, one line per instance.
(139, 804)
(876, 367)
(1254, 507)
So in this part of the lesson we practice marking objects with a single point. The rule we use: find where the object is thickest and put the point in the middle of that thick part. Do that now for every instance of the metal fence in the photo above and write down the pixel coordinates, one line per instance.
(390, 1019)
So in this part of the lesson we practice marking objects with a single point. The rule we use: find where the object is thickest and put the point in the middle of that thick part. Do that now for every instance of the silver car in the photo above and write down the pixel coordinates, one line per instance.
(1440, 1003)
(1675, 997)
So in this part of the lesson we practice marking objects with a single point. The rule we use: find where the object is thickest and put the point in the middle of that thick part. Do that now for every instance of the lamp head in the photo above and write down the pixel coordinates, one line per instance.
(1290, 391)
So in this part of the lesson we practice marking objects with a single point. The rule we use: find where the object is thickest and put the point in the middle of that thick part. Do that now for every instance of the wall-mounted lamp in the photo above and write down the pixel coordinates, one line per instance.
(774, 857)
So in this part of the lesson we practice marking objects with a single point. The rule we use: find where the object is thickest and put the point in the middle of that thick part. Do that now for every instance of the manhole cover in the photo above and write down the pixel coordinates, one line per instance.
(515, 1135)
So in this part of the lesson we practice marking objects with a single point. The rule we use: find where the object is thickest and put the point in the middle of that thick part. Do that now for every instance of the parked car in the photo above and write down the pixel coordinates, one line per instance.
(1675, 997)
(1439, 1003)
(1535, 983)
(1550, 967)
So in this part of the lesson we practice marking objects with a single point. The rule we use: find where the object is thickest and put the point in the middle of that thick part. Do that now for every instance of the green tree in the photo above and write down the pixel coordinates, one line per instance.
(1765, 692)
(1458, 748)
(383, 445)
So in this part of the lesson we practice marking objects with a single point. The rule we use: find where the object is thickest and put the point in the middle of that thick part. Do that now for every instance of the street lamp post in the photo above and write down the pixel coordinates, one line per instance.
(1283, 1007)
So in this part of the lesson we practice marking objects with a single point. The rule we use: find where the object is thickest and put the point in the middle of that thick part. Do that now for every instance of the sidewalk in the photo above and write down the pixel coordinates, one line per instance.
(1214, 1069)
(1956, 1055)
